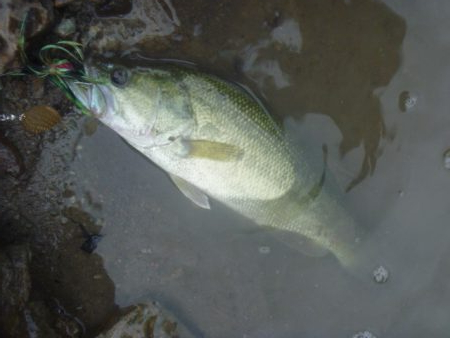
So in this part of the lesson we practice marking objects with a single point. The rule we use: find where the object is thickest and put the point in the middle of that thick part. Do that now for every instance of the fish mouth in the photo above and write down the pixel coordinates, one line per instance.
(93, 94)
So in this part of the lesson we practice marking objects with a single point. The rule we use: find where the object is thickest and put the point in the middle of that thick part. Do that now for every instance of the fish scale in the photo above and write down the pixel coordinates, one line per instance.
(238, 121)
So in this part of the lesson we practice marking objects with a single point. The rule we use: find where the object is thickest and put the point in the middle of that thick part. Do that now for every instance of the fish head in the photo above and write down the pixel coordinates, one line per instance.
(148, 107)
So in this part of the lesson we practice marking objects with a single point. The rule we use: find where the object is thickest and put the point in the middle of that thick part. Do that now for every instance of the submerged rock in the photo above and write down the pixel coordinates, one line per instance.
(20, 317)
(15, 286)
(126, 24)
(12, 12)
(147, 320)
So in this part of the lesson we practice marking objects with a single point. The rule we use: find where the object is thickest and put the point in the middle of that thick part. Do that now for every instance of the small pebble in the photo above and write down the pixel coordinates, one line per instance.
(264, 250)
(197, 29)
(447, 159)
(90, 244)
(90, 126)
(364, 334)
(146, 251)
(66, 27)
(380, 275)
(37, 88)
(8, 117)
(62, 3)
(71, 200)
(406, 101)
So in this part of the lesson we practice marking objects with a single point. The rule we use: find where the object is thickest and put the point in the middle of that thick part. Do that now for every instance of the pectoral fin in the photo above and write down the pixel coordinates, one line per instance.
(315, 191)
(211, 150)
(193, 193)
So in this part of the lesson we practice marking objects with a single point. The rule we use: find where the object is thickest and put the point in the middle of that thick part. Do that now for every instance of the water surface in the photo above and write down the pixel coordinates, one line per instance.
(339, 70)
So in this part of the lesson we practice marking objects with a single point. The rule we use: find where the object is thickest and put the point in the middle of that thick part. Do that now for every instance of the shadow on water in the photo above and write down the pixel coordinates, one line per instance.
(348, 52)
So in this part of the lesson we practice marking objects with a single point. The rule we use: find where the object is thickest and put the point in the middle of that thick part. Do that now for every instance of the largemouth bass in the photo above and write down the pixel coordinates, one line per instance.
(216, 140)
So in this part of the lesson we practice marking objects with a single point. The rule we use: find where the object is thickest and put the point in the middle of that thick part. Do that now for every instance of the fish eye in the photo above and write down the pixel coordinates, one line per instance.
(119, 77)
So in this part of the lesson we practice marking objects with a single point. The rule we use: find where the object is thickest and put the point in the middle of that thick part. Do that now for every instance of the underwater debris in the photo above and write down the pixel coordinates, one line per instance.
(264, 250)
(446, 157)
(92, 240)
(406, 101)
(364, 334)
(66, 27)
(380, 274)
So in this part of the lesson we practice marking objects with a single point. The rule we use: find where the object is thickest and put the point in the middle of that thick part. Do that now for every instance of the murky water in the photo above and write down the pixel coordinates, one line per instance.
(367, 78)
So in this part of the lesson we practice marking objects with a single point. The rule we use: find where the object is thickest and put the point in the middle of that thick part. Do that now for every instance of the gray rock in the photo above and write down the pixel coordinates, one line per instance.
(147, 320)
(144, 19)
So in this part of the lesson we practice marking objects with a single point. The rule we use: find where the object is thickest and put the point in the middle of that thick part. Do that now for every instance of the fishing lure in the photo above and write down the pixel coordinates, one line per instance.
(58, 61)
